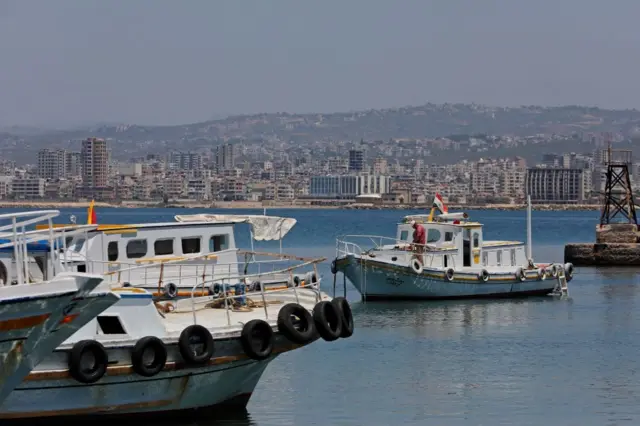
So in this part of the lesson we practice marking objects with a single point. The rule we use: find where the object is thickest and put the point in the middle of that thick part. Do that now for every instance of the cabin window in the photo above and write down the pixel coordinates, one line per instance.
(476, 240)
(163, 246)
(77, 246)
(513, 257)
(112, 251)
(499, 257)
(433, 235)
(110, 324)
(218, 243)
(485, 258)
(191, 245)
(136, 249)
(404, 236)
(448, 236)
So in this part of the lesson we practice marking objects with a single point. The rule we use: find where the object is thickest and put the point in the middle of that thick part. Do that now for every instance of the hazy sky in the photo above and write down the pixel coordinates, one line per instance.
(66, 62)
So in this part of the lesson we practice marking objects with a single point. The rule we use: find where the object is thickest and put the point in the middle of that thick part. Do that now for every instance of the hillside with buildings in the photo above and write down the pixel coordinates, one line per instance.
(468, 153)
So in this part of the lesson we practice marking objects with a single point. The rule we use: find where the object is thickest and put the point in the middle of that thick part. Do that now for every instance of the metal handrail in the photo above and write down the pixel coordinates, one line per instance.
(315, 288)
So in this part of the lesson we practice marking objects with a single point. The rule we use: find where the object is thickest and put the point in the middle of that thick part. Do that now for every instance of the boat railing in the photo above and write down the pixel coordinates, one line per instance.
(189, 268)
(16, 232)
(352, 245)
(228, 299)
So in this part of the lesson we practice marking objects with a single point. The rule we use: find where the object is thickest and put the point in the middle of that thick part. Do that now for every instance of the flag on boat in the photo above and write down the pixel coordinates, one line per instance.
(437, 202)
(91, 214)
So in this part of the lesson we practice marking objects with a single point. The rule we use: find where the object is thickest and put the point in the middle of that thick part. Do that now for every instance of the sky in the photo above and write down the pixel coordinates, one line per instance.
(78, 62)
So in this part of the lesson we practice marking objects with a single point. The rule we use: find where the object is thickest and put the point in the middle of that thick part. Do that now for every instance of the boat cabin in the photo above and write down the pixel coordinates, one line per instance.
(453, 241)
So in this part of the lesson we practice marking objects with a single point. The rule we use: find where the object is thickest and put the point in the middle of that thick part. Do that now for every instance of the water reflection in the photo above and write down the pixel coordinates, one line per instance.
(224, 418)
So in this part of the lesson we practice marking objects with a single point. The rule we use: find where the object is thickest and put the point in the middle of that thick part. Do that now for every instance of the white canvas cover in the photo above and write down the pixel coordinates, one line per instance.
(263, 228)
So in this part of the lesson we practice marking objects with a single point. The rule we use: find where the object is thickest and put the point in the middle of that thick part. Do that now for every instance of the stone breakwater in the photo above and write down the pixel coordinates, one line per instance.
(616, 245)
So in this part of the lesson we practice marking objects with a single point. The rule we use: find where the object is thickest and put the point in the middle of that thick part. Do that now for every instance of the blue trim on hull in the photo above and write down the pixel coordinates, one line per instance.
(522, 294)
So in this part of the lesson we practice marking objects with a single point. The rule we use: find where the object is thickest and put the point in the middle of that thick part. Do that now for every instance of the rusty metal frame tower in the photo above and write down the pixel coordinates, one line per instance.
(620, 201)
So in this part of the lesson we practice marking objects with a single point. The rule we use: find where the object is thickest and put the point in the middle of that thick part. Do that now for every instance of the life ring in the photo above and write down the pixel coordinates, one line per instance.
(448, 274)
(568, 271)
(144, 367)
(483, 275)
(416, 265)
(81, 368)
(346, 316)
(520, 274)
(334, 267)
(171, 290)
(195, 334)
(296, 323)
(327, 320)
(257, 339)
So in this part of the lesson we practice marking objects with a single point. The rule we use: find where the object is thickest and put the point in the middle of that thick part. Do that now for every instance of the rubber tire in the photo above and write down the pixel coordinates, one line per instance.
(446, 274)
(159, 360)
(482, 276)
(568, 271)
(420, 266)
(334, 268)
(184, 344)
(307, 331)
(75, 361)
(259, 347)
(327, 320)
(296, 281)
(346, 316)
(170, 289)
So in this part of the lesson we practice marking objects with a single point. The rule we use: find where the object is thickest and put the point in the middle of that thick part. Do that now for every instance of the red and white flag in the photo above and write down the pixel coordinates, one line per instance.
(437, 202)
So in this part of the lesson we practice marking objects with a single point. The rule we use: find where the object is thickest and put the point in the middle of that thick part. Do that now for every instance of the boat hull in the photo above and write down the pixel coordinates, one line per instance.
(377, 280)
(227, 380)
(196, 390)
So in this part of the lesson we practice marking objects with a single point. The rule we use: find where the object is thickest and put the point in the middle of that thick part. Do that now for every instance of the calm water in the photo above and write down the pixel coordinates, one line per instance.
(522, 362)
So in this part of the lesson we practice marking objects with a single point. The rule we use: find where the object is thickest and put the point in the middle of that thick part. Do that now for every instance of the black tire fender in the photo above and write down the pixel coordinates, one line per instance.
(257, 339)
(302, 330)
(334, 267)
(346, 316)
(195, 334)
(76, 369)
(327, 320)
(159, 356)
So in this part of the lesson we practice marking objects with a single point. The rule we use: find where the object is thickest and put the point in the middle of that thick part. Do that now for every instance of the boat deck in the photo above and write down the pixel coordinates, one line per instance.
(212, 313)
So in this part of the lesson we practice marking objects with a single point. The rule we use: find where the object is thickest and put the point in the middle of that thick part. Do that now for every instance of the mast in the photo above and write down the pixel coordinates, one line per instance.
(529, 251)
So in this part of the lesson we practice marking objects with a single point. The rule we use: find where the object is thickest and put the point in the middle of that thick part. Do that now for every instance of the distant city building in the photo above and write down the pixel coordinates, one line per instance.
(185, 161)
(52, 163)
(356, 160)
(225, 157)
(556, 185)
(28, 188)
(348, 186)
(95, 163)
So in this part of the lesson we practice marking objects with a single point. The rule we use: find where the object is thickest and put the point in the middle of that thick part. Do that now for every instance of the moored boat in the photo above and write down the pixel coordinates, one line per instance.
(191, 250)
(186, 356)
(37, 317)
(455, 262)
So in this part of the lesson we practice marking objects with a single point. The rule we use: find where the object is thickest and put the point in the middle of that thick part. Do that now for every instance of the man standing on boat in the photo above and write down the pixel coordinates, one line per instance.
(419, 240)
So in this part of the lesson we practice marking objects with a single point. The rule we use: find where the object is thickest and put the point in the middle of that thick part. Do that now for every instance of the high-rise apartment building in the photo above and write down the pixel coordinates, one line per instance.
(95, 163)
(356, 160)
(225, 157)
(52, 163)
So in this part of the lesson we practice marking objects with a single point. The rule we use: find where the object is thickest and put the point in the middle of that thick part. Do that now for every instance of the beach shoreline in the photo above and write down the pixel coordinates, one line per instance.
(259, 205)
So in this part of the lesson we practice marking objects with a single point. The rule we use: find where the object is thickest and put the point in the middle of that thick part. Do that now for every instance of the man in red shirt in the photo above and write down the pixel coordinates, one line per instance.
(419, 240)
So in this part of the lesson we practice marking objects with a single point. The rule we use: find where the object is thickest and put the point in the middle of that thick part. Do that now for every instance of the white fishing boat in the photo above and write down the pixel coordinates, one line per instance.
(37, 317)
(189, 356)
(191, 250)
(455, 262)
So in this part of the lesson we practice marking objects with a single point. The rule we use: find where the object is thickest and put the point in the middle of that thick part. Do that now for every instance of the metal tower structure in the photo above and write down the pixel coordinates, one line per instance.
(618, 193)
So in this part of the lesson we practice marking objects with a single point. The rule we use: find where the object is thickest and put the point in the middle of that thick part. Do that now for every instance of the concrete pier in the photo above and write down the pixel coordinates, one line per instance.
(616, 245)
